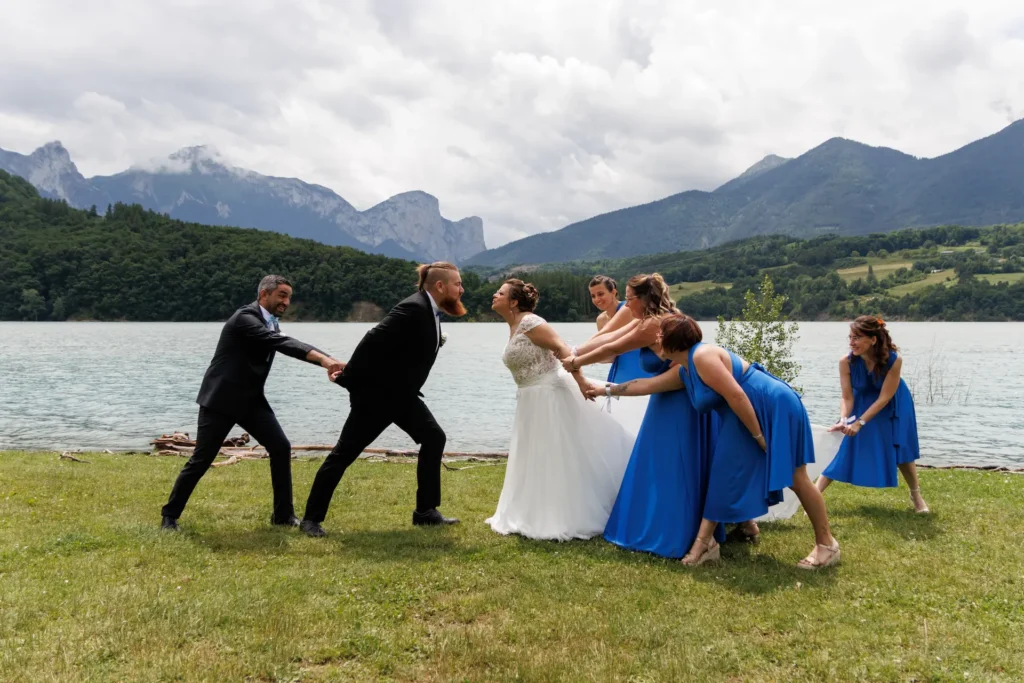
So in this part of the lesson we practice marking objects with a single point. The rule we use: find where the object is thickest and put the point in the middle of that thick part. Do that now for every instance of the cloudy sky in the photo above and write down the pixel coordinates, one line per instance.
(531, 117)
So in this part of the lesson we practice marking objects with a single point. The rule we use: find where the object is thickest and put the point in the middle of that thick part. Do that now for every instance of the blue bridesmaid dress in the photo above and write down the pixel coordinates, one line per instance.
(745, 480)
(662, 496)
(628, 365)
(888, 440)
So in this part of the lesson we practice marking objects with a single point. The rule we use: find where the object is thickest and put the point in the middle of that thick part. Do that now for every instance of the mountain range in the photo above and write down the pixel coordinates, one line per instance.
(196, 185)
(840, 187)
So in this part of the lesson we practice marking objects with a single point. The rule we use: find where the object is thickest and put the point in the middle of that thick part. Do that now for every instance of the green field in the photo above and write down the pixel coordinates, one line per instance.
(91, 590)
(881, 267)
(1001, 277)
(943, 276)
(685, 288)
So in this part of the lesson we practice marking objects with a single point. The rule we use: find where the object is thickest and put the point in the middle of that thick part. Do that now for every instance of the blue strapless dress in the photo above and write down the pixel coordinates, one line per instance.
(746, 480)
(662, 496)
(888, 440)
(628, 365)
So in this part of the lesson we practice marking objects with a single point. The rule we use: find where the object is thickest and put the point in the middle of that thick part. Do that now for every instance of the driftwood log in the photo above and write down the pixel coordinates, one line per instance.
(235, 450)
(66, 455)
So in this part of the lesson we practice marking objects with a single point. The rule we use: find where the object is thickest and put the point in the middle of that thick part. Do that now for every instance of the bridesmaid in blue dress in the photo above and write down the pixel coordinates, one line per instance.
(876, 415)
(763, 444)
(661, 499)
(615, 315)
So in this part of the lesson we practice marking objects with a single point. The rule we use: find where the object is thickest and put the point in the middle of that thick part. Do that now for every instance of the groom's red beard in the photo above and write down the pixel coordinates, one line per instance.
(453, 307)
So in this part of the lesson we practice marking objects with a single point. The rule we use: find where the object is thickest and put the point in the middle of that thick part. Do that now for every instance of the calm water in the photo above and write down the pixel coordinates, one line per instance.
(117, 385)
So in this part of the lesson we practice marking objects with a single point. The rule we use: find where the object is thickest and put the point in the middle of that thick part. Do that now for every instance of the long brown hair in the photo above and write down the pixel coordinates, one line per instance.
(873, 326)
(653, 291)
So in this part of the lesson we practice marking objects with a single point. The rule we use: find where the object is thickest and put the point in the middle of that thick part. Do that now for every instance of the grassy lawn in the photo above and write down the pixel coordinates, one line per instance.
(90, 589)
(685, 288)
(931, 279)
(882, 267)
(1001, 277)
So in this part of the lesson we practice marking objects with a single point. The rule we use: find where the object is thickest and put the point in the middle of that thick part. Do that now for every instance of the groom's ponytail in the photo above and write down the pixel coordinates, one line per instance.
(429, 273)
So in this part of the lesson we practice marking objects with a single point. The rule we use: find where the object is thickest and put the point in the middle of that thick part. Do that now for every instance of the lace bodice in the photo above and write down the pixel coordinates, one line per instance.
(527, 361)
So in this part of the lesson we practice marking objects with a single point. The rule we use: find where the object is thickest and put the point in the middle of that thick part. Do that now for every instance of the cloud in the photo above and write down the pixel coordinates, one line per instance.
(530, 115)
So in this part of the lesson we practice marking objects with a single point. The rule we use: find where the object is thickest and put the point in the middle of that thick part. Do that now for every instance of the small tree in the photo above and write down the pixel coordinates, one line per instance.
(762, 334)
(33, 304)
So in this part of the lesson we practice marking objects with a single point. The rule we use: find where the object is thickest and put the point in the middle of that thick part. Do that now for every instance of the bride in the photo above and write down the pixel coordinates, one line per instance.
(567, 457)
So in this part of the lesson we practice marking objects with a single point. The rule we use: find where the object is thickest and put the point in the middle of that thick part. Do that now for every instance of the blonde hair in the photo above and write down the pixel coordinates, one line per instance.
(653, 291)
(429, 273)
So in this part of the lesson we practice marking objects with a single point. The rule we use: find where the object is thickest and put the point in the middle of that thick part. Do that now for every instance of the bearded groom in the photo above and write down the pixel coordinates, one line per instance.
(384, 377)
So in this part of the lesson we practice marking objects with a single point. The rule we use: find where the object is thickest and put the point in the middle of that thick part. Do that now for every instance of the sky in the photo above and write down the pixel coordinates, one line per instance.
(531, 117)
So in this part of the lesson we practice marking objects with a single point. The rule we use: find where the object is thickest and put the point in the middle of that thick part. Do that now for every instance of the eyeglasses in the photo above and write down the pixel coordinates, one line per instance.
(855, 337)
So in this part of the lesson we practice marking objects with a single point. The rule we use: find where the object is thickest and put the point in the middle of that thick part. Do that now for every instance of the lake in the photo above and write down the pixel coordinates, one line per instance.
(118, 385)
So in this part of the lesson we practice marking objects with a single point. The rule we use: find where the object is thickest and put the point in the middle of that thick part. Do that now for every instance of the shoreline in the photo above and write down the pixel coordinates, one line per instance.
(230, 456)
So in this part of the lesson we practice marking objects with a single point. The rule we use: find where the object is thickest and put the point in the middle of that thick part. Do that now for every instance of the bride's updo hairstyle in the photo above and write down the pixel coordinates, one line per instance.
(680, 332)
(523, 293)
(652, 290)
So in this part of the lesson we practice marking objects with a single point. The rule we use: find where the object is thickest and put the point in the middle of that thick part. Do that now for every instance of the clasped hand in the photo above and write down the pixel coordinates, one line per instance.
(333, 366)
(850, 429)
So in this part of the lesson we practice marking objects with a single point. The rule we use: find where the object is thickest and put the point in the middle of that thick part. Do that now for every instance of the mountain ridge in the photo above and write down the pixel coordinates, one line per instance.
(841, 186)
(197, 184)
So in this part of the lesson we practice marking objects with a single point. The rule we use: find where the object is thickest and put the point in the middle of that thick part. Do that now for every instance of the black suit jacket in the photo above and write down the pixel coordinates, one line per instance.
(395, 357)
(233, 384)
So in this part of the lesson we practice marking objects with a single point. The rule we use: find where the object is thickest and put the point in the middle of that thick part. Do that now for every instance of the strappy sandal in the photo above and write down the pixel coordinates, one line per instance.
(922, 511)
(712, 553)
(812, 561)
(740, 533)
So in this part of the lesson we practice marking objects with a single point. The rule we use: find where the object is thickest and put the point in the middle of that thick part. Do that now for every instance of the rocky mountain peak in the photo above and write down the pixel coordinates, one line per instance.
(53, 152)
(195, 159)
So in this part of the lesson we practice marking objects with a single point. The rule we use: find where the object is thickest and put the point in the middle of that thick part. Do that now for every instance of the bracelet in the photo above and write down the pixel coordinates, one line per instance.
(608, 390)
(759, 436)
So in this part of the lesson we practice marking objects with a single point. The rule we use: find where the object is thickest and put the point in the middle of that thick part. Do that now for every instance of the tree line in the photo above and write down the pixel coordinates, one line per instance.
(132, 264)
(60, 263)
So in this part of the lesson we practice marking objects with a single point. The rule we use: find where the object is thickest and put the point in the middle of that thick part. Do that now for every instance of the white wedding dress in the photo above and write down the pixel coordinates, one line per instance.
(566, 458)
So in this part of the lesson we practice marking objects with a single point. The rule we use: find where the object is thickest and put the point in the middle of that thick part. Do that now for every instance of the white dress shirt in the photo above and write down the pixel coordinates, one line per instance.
(437, 319)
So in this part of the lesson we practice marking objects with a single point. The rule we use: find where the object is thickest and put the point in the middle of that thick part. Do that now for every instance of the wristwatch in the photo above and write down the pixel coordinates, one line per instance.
(861, 422)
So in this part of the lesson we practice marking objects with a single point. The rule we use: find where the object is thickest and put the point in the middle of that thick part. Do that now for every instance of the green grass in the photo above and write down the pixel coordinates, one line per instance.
(685, 288)
(90, 589)
(1001, 277)
(931, 279)
(881, 267)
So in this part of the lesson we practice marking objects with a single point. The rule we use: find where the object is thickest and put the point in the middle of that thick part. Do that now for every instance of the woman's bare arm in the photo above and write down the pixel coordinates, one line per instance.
(666, 381)
(644, 334)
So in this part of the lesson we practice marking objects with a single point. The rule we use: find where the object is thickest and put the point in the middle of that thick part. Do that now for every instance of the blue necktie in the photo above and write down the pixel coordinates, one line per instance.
(272, 322)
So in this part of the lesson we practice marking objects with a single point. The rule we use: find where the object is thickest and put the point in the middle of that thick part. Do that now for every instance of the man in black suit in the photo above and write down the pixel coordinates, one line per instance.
(384, 377)
(232, 393)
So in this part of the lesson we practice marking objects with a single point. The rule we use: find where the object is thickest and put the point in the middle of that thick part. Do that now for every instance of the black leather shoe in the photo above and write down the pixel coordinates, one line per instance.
(291, 521)
(312, 529)
(169, 524)
(431, 518)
